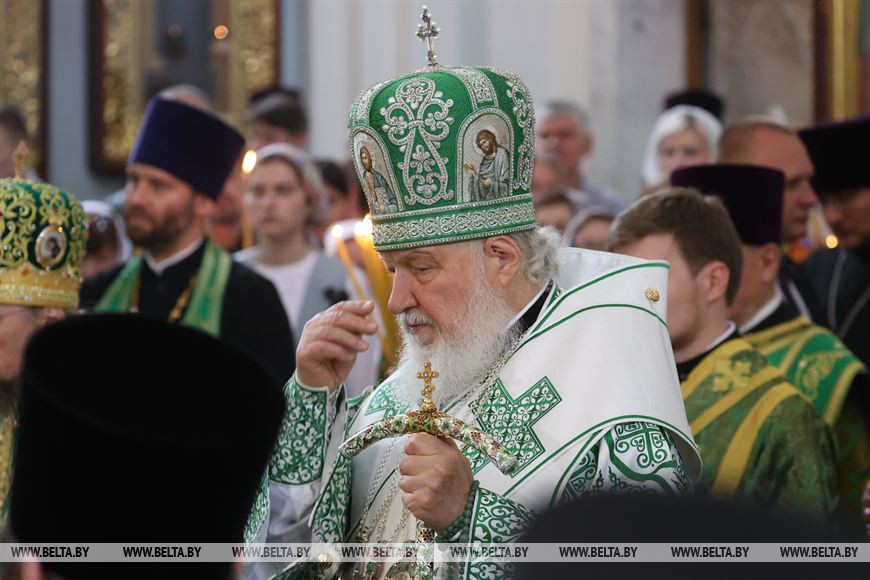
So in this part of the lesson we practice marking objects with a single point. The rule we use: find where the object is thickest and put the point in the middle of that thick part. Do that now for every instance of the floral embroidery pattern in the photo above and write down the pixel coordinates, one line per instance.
(417, 120)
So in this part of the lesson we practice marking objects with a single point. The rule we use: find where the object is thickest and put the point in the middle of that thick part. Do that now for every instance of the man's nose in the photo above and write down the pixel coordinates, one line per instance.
(135, 194)
(401, 298)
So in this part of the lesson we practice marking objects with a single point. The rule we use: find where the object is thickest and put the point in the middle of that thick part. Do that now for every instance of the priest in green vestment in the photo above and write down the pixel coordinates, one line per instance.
(527, 341)
(811, 357)
(177, 169)
(40, 260)
(759, 438)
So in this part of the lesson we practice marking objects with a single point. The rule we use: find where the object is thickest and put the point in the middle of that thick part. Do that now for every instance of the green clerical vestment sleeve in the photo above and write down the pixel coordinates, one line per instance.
(759, 437)
(835, 381)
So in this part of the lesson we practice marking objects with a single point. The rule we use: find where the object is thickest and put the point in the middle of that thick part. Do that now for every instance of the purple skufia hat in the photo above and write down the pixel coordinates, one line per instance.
(193, 145)
(700, 98)
(752, 194)
(839, 152)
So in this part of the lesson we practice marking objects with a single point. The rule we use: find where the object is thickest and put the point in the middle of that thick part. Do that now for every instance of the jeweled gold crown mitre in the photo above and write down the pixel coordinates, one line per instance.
(42, 242)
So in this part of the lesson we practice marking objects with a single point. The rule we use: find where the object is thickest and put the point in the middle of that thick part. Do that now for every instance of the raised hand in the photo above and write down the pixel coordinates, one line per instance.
(330, 342)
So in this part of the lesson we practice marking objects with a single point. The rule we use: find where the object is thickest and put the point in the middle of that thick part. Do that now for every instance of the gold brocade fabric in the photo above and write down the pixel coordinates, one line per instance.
(824, 370)
(8, 426)
(759, 438)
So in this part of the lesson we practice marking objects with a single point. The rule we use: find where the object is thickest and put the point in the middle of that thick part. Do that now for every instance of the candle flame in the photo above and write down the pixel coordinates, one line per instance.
(249, 161)
(363, 227)
(338, 231)
(831, 241)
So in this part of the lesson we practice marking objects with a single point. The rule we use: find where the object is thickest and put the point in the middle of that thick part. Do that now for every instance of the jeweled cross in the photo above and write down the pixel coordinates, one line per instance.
(429, 32)
(426, 375)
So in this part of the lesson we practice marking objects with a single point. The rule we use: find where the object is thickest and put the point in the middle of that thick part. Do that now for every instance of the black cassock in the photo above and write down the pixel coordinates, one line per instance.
(841, 280)
(252, 319)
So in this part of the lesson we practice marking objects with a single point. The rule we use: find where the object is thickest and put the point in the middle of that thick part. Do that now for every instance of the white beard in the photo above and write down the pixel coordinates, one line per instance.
(463, 358)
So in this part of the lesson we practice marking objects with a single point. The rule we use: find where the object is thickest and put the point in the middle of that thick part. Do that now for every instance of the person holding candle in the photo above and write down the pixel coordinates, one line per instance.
(280, 204)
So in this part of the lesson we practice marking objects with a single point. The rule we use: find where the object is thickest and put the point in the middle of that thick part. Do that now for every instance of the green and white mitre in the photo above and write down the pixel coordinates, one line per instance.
(445, 154)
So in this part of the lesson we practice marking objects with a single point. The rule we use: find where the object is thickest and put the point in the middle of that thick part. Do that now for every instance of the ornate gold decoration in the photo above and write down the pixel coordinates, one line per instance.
(324, 561)
(29, 286)
(20, 156)
(844, 61)
(426, 375)
(652, 295)
(22, 42)
(17, 213)
(245, 61)
(43, 234)
(50, 246)
(731, 375)
(122, 94)
(8, 426)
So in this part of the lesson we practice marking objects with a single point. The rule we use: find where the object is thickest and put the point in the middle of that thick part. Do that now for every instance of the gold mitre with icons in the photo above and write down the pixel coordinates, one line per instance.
(42, 242)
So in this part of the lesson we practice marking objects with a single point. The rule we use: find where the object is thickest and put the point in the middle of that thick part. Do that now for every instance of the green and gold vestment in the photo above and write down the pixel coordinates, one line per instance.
(759, 437)
(815, 361)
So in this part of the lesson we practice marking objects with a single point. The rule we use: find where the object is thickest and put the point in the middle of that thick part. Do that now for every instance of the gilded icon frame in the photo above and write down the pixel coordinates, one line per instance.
(246, 61)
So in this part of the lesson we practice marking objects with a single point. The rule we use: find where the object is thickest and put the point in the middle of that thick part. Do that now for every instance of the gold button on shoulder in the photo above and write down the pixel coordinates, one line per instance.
(324, 561)
(652, 295)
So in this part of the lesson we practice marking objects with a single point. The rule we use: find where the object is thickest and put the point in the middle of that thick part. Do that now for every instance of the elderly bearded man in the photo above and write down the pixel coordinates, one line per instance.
(536, 366)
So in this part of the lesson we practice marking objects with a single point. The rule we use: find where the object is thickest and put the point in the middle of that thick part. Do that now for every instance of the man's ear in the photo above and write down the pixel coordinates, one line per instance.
(716, 277)
(507, 257)
(771, 258)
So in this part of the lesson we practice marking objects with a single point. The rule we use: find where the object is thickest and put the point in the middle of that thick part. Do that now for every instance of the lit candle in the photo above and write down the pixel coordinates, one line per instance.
(338, 235)
(249, 161)
(381, 284)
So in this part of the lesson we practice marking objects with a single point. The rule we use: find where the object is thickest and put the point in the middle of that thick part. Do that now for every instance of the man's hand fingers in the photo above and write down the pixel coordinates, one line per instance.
(354, 322)
(426, 444)
(413, 464)
(360, 307)
(411, 483)
(340, 336)
(331, 351)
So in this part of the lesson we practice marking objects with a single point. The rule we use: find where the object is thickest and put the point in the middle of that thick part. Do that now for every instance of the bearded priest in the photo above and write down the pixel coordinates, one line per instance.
(564, 359)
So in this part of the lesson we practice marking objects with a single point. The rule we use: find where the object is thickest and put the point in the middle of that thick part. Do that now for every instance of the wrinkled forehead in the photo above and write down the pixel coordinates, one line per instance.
(439, 254)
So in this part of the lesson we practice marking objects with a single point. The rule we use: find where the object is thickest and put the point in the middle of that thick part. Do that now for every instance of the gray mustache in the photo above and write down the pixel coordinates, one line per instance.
(412, 317)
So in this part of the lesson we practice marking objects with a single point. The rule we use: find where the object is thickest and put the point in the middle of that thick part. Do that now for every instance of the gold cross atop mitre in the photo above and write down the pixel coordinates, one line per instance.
(428, 31)
(20, 157)
(426, 375)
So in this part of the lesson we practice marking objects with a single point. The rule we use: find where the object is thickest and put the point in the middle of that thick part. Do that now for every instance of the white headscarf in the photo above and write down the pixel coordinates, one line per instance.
(673, 121)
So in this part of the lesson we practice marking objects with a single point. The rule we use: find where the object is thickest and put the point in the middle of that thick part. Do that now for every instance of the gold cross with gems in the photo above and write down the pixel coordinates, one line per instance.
(20, 157)
(429, 32)
(426, 375)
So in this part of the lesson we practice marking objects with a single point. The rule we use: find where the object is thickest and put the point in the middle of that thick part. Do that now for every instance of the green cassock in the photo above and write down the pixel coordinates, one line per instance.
(815, 361)
(759, 437)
